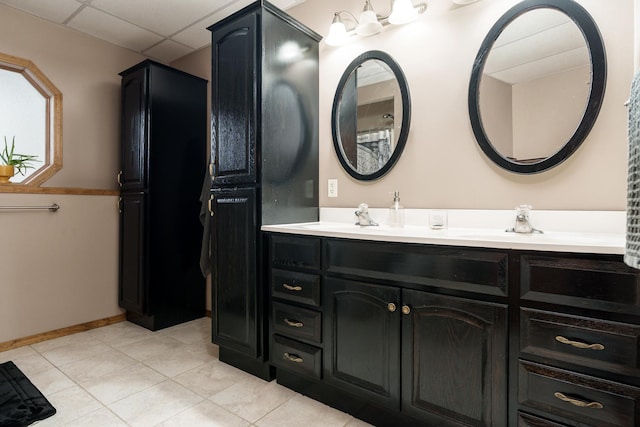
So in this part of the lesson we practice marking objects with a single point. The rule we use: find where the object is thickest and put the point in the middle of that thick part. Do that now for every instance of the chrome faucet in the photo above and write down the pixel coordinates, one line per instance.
(523, 225)
(363, 215)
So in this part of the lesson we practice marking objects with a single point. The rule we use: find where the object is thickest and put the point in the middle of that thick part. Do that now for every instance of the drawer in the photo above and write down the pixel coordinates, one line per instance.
(600, 283)
(575, 398)
(466, 269)
(593, 343)
(294, 286)
(296, 356)
(297, 322)
(298, 252)
(526, 420)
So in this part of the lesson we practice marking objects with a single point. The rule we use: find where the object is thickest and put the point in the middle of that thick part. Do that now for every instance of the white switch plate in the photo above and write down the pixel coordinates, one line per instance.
(332, 188)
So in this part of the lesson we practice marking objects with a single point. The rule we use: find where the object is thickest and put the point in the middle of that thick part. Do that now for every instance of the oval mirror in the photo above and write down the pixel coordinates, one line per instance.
(537, 85)
(371, 115)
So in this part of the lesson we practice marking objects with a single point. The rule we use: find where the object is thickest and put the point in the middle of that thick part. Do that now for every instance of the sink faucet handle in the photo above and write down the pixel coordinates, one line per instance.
(363, 215)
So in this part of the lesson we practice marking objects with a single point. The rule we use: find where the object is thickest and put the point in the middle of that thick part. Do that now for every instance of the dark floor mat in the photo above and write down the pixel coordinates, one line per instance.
(21, 403)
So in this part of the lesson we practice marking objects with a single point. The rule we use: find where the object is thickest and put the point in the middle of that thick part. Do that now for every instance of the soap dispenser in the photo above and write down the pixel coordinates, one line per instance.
(396, 212)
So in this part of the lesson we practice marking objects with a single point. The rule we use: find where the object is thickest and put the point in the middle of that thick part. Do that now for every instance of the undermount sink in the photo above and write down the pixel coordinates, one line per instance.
(546, 237)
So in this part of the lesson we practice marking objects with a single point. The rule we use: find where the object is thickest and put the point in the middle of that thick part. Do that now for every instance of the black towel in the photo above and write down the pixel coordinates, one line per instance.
(205, 219)
(21, 403)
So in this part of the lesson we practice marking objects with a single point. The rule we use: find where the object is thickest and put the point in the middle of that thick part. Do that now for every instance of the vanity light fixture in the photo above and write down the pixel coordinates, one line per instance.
(369, 23)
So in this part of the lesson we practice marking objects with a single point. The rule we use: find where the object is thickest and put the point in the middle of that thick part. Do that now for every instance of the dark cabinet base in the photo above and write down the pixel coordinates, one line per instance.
(155, 323)
(248, 364)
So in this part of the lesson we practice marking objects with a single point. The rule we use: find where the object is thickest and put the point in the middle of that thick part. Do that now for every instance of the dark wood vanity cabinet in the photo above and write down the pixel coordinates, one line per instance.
(453, 336)
(264, 165)
(579, 341)
(460, 345)
(236, 322)
(296, 319)
(162, 161)
(395, 348)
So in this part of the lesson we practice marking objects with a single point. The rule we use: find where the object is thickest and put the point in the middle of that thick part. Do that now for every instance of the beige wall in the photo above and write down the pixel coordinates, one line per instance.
(61, 269)
(442, 166)
(86, 71)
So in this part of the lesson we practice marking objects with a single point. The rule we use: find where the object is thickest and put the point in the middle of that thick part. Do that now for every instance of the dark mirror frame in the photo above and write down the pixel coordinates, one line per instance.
(590, 31)
(406, 113)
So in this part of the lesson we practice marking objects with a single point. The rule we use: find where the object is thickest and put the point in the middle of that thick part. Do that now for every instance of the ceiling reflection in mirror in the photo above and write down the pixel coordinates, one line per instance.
(537, 90)
(539, 74)
(370, 110)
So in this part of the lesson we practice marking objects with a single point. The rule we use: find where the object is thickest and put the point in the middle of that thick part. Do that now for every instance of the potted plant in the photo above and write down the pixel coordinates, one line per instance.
(12, 162)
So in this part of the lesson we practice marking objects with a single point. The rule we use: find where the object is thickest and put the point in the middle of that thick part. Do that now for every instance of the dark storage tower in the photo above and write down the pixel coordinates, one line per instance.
(264, 164)
(163, 159)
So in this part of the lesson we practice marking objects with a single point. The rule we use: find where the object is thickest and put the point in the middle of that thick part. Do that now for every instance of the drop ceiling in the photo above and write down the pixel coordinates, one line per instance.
(164, 30)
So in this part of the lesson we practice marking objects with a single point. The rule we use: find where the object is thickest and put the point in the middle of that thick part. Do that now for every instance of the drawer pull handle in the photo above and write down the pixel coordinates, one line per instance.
(291, 288)
(578, 344)
(578, 403)
(293, 357)
(293, 323)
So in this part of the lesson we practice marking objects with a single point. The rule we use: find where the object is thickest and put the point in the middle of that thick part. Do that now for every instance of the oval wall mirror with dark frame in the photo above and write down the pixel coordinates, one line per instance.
(537, 85)
(371, 115)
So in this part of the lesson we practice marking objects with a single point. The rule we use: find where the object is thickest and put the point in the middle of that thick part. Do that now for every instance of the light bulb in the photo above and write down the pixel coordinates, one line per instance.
(337, 32)
(368, 22)
(403, 12)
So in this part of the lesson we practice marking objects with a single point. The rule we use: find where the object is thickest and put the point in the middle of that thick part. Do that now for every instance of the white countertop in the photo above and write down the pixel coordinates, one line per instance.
(564, 231)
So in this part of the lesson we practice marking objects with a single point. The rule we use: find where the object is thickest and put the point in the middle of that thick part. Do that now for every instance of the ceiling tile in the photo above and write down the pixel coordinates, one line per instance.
(165, 17)
(114, 30)
(196, 36)
(167, 51)
(57, 11)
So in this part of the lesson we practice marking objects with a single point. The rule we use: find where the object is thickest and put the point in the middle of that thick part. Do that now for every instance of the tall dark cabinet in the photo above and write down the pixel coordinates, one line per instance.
(163, 158)
(264, 164)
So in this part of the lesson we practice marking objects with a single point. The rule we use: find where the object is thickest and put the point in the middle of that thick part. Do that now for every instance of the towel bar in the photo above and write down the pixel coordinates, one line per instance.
(51, 208)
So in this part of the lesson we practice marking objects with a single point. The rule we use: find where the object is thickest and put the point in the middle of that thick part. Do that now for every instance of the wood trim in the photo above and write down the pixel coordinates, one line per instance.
(17, 188)
(57, 333)
(208, 313)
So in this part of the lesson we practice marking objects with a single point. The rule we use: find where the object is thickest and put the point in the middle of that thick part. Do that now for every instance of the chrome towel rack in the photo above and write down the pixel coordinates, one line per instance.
(51, 208)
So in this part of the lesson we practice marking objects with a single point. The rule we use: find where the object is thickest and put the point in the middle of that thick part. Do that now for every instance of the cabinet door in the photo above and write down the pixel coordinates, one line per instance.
(454, 363)
(234, 101)
(362, 340)
(131, 292)
(234, 271)
(134, 138)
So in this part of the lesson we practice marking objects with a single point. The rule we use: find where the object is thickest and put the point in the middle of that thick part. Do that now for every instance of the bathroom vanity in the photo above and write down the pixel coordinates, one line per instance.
(416, 327)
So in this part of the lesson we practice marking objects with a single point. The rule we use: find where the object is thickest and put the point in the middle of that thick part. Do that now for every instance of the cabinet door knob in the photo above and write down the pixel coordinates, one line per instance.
(291, 288)
(578, 344)
(406, 309)
(292, 357)
(577, 402)
(391, 307)
(293, 323)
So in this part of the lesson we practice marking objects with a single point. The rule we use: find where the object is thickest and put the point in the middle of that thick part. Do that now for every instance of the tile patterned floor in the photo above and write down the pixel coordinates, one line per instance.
(125, 375)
